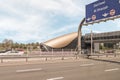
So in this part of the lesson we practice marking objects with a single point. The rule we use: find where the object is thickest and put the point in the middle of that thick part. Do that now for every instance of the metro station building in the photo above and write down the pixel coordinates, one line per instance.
(69, 41)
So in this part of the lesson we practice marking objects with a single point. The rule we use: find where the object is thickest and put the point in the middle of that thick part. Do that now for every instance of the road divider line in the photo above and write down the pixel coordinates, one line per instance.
(115, 69)
(87, 64)
(28, 70)
(57, 78)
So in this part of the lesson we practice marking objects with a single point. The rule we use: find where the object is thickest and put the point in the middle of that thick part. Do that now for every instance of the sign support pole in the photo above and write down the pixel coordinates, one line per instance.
(79, 36)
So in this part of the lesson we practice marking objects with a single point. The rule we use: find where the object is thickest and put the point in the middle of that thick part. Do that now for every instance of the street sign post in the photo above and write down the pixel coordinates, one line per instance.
(98, 11)
(101, 10)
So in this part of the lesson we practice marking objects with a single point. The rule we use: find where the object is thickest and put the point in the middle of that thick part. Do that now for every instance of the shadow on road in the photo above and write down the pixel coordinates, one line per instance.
(110, 61)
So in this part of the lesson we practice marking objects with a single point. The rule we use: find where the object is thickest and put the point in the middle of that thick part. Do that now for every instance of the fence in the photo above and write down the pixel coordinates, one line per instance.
(55, 54)
(42, 54)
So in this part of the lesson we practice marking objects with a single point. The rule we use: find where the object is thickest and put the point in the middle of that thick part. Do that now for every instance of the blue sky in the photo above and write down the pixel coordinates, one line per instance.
(27, 21)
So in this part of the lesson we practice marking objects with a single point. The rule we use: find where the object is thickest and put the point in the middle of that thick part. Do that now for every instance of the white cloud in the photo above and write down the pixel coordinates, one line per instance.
(36, 20)
(117, 23)
(65, 29)
(29, 29)
(65, 7)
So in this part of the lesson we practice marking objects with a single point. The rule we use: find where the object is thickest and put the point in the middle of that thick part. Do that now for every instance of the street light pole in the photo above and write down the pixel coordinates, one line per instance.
(79, 35)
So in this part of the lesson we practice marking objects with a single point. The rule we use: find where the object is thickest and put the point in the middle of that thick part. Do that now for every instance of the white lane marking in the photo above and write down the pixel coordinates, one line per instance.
(87, 64)
(115, 69)
(57, 78)
(28, 70)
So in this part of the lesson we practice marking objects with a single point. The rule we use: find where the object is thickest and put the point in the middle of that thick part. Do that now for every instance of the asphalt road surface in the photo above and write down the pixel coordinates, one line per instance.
(96, 69)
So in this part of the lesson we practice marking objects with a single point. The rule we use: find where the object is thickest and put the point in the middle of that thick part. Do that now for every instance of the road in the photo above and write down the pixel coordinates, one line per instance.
(96, 69)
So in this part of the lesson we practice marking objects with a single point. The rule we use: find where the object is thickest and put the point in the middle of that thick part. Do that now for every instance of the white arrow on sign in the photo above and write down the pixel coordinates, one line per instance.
(88, 19)
(105, 14)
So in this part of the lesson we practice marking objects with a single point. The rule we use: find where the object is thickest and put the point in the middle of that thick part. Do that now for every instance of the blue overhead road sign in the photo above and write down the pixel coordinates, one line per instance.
(102, 9)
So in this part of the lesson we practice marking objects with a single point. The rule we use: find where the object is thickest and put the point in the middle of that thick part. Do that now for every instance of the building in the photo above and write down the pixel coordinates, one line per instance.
(69, 41)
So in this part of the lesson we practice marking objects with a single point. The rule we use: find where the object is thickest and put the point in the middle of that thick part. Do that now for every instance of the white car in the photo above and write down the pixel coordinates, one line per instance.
(12, 53)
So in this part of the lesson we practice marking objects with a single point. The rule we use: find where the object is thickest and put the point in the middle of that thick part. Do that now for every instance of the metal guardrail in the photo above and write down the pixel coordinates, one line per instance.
(47, 55)
(26, 57)
(102, 54)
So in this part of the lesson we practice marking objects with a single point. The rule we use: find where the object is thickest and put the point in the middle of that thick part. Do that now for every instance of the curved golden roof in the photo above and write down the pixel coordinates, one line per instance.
(61, 41)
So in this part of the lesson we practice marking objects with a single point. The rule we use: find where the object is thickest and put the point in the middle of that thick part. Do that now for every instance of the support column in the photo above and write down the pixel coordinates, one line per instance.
(79, 36)
(96, 47)
(91, 42)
